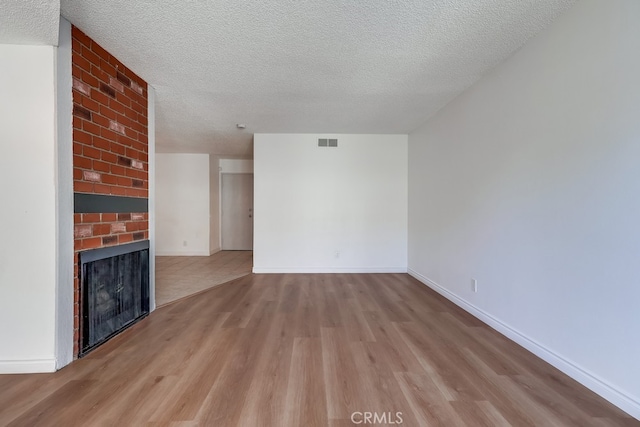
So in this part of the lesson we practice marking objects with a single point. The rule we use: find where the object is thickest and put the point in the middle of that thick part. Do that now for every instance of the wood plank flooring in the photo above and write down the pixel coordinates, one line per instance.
(307, 350)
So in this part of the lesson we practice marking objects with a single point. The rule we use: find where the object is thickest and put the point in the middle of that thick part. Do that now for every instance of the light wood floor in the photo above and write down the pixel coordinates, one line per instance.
(178, 276)
(306, 350)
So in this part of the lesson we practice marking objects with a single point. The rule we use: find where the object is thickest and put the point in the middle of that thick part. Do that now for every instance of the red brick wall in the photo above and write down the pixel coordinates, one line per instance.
(109, 124)
(94, 230)
(110, 148)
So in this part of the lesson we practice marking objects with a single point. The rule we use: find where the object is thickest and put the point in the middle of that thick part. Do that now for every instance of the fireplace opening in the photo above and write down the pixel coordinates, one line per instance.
(114, 291)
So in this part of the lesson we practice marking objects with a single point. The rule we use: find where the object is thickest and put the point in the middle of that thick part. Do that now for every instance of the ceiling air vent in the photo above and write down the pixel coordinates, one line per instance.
(323, 142)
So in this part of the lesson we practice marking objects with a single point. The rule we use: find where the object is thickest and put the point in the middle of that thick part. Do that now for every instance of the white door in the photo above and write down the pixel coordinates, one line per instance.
(237, 211)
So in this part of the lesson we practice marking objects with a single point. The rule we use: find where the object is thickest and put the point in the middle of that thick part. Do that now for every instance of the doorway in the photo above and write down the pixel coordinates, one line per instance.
(236, 210)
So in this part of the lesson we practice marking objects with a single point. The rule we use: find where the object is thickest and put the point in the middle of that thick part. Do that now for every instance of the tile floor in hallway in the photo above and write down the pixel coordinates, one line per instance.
(180, 276)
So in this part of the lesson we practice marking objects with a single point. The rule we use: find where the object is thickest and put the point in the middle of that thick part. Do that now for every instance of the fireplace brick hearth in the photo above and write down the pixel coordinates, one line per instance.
(110, 154)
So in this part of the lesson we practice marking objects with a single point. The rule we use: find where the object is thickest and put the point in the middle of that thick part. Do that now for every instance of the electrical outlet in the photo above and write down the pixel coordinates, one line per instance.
(474, 285)
(184, 243)
(337, 254)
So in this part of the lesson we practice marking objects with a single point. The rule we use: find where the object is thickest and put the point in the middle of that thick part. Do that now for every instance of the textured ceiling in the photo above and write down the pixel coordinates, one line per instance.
(32, 22)
(329, 66)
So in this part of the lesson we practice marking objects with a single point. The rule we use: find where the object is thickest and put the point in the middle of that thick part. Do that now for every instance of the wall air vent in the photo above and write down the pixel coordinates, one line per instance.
(323, 142)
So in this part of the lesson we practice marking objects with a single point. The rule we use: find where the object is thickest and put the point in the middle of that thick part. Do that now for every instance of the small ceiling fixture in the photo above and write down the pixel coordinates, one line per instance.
(241, 125)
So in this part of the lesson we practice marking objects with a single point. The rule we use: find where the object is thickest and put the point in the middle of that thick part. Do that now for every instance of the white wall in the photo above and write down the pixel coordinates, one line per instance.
(64, 187)
(182, 204)
(530, 182)
(151, 129)
(214, 205)
(312, 202)
(28, 246)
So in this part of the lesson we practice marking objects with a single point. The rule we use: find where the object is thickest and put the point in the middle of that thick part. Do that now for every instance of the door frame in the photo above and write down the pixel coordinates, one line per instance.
(220, 173)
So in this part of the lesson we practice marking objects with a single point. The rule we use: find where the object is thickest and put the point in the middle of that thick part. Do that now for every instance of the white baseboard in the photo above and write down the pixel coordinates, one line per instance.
(622, 400)
(34, 366)
(295, 270)
(214, 251)
(175, 253)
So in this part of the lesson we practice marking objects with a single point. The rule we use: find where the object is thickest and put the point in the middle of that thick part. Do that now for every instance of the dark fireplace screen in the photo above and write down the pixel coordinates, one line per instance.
(115, 291)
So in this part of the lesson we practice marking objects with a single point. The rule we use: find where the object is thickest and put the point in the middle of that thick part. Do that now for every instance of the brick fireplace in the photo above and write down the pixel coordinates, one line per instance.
(110, 154)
